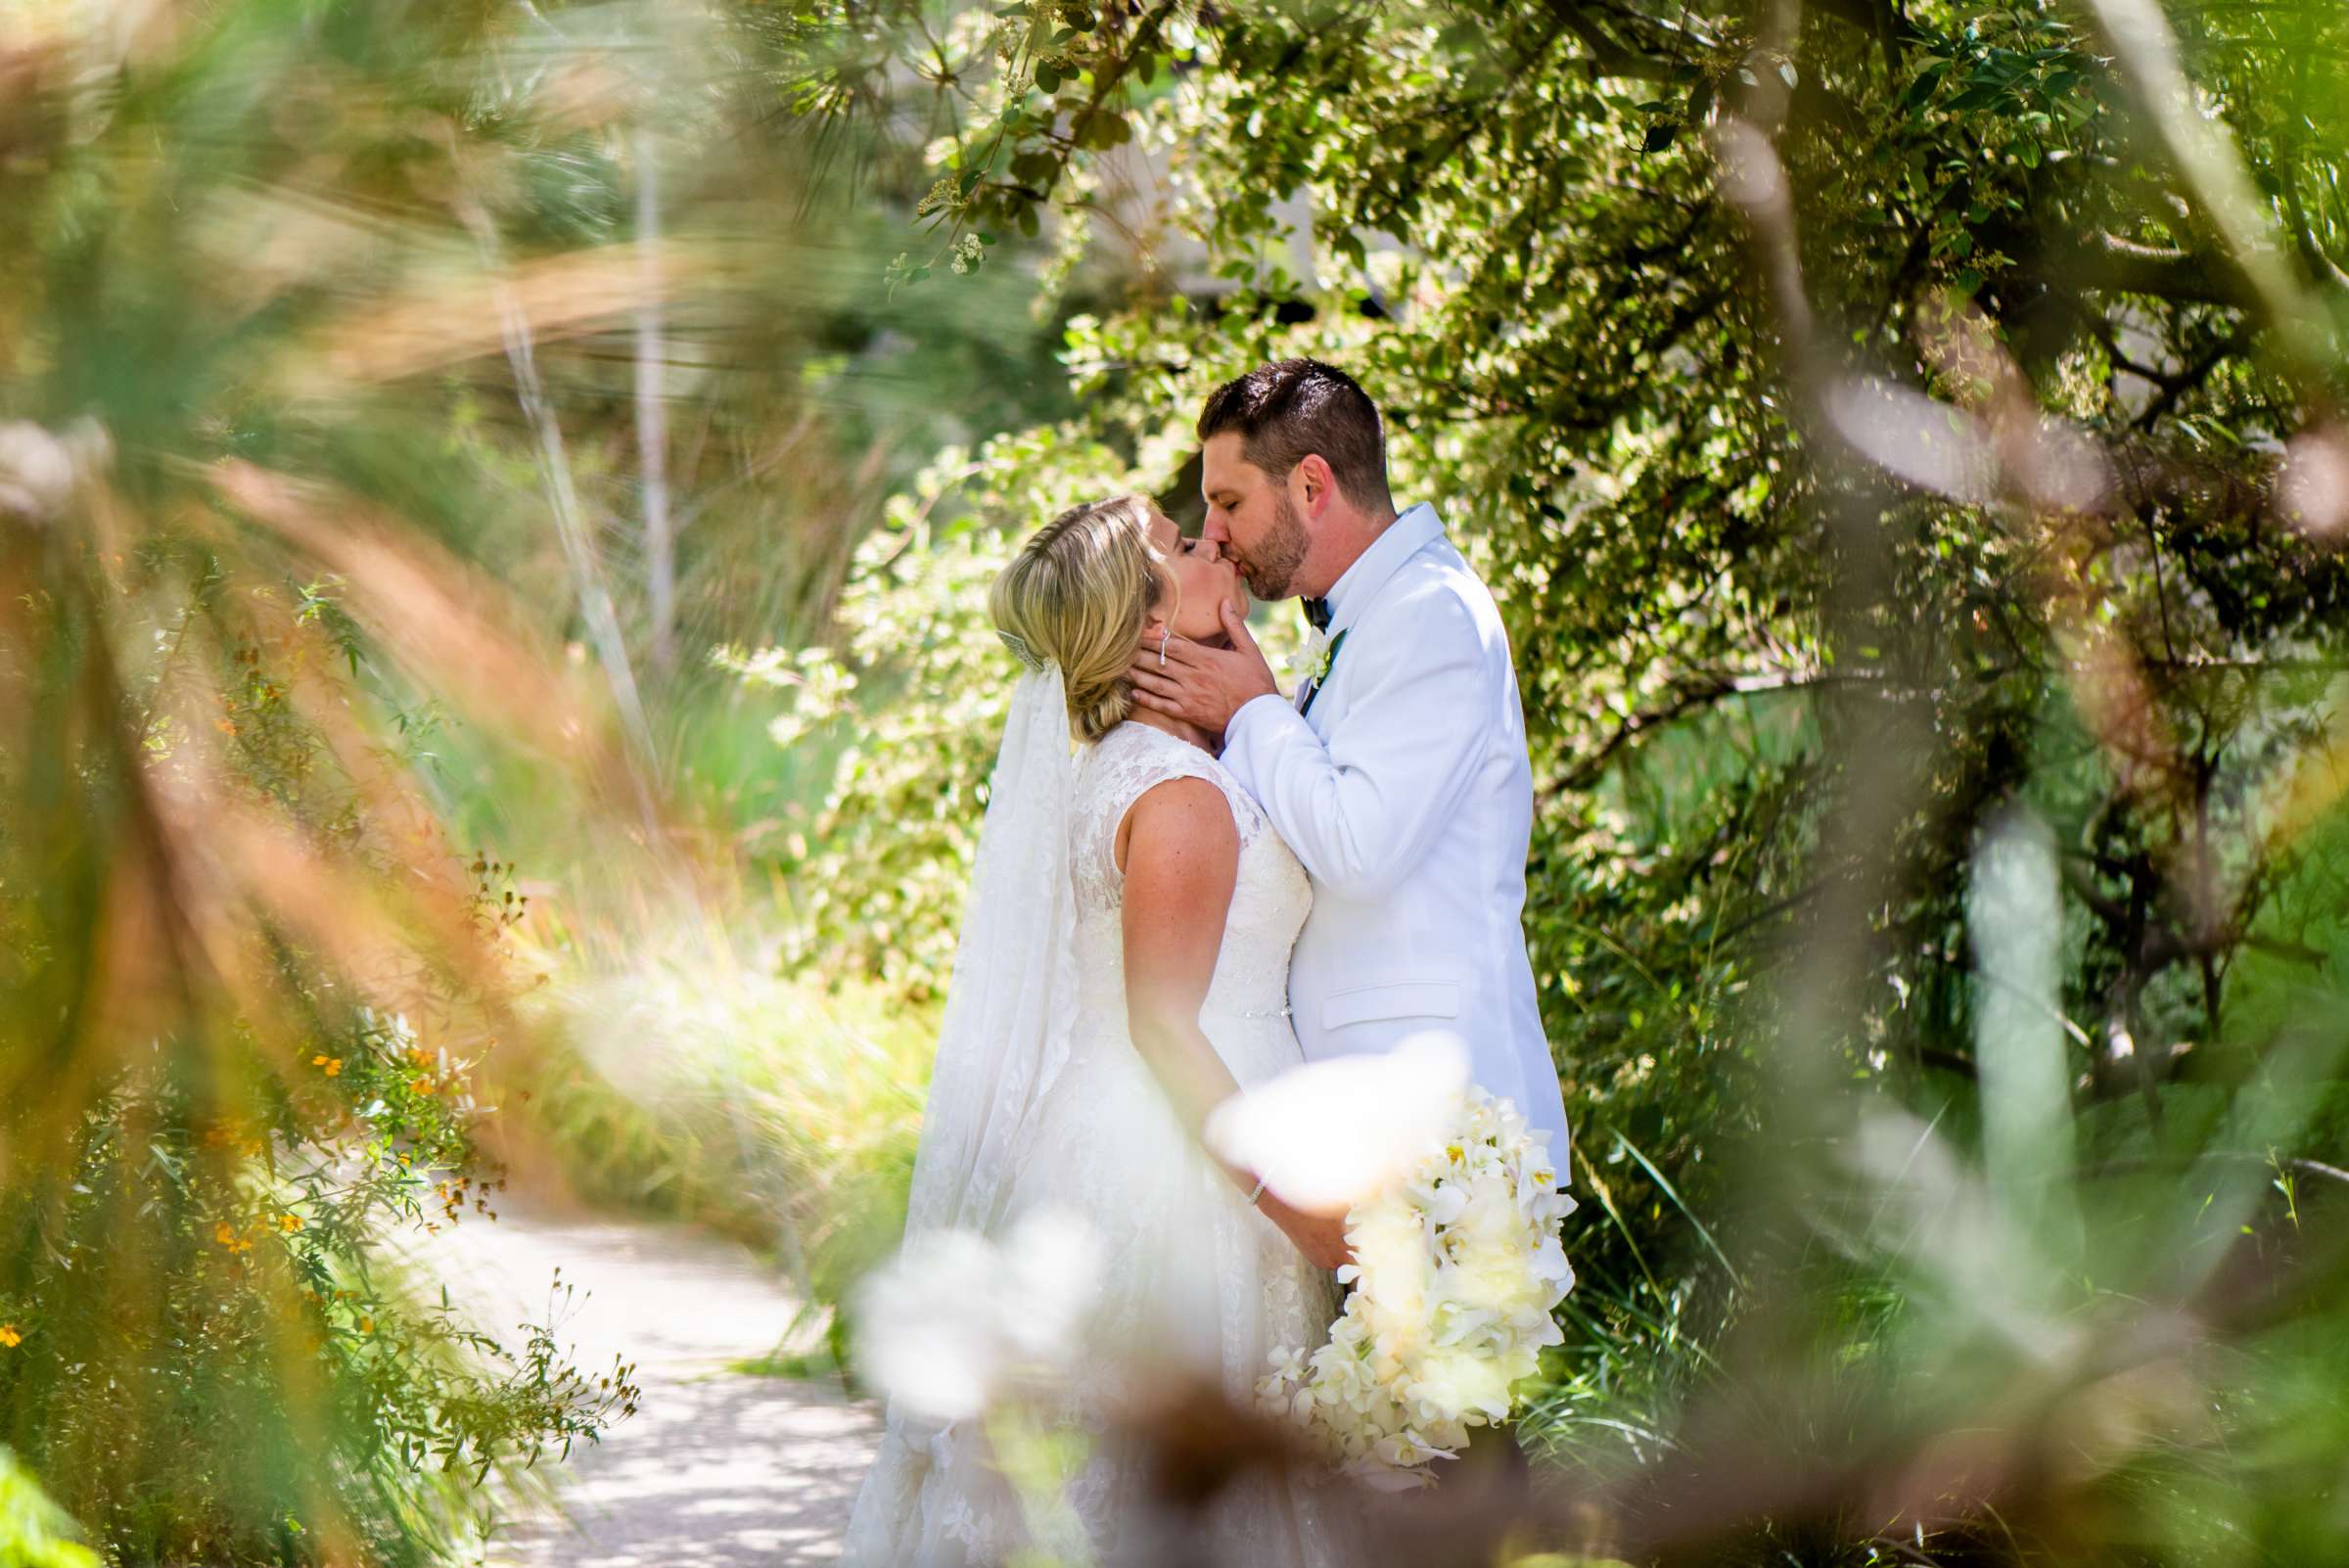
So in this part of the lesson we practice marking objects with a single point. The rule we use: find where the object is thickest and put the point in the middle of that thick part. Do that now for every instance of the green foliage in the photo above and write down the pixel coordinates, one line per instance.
(34, 1532)
(195, 1208)
(694, 1086)
(317, 329)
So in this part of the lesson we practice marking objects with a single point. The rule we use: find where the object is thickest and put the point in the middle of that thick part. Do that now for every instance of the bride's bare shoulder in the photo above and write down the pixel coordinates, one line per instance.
(1180, 824)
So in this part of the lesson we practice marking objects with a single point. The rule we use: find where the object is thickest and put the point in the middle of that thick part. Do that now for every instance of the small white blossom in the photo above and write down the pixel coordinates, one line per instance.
(955, 1316)
(943, 196)
(1312, 655)
(38, 470)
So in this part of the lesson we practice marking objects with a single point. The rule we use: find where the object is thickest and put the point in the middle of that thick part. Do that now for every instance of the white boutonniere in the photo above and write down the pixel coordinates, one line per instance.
(1313, 660)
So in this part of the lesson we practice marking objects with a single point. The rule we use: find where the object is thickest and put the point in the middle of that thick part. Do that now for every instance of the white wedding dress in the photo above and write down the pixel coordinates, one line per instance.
(1195, 1280)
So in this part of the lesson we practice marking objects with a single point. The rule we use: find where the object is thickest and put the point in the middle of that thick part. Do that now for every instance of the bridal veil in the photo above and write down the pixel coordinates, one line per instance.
(1004, 1040)
(1005, 1032)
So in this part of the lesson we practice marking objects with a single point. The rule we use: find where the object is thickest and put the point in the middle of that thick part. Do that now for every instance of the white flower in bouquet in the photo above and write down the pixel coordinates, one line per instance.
(1458, 1270)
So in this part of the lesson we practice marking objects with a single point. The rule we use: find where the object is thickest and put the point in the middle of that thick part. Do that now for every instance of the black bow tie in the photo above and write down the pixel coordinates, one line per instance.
(1316, 613)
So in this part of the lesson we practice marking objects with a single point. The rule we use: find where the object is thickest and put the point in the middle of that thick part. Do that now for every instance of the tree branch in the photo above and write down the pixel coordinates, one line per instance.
(2147, 477)
(1881, 20)
(2304, 234)
(2173, 387)
(2108, 261)
(1607, 57)
(1692, 693)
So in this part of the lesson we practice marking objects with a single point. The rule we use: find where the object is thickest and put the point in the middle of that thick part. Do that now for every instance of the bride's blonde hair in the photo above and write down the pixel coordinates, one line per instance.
(1078, 595)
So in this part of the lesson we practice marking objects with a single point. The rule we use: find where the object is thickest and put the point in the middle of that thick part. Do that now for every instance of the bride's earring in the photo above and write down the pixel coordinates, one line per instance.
(1163, 638)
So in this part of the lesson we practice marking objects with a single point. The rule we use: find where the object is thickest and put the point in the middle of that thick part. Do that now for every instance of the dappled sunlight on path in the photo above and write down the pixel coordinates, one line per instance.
(716, 1469)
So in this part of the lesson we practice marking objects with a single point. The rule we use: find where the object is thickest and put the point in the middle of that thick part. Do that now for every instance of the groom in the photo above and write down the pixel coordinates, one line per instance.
(1399, 775)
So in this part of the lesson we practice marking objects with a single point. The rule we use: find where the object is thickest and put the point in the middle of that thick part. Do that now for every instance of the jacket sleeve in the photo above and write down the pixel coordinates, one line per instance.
(1361, 810)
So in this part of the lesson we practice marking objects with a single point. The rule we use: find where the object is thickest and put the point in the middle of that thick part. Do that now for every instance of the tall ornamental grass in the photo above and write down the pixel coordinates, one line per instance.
(699, 1086)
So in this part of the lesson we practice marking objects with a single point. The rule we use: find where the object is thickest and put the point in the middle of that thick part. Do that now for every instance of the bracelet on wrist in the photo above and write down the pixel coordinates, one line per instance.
(1258, 1191)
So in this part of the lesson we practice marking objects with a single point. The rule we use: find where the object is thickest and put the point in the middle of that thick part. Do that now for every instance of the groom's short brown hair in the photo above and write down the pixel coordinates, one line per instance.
(1289, 411)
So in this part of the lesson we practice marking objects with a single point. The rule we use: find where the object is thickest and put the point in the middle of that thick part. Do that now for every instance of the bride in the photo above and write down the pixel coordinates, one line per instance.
(1124, 968)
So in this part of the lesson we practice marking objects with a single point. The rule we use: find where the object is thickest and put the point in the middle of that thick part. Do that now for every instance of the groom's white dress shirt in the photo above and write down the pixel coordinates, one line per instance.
(1407, 792)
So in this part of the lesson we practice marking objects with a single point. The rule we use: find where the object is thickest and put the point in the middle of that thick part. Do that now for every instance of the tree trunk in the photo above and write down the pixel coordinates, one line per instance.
(571, 527)
(652, 415)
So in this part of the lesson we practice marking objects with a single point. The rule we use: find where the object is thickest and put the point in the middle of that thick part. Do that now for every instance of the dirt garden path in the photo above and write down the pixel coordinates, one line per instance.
(717, 1469)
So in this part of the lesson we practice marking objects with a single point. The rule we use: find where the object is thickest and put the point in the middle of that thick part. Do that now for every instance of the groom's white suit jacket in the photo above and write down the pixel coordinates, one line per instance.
(1407, 792)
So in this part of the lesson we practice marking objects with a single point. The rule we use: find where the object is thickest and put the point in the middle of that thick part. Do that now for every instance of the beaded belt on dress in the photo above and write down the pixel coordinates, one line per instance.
(1282, 1011)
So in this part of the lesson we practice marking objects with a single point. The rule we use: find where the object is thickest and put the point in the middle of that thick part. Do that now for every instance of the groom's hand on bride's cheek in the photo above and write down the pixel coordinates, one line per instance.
(1200, 684)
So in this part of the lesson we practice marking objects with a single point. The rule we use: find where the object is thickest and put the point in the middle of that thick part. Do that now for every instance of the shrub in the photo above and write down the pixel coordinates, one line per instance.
(246, 992)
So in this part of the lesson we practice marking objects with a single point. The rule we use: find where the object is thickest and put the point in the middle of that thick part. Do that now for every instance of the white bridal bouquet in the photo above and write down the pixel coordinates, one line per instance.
(1459, 1266)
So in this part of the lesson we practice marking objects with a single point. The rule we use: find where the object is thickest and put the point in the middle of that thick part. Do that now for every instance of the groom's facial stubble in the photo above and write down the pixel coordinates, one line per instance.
(1271, 569)
(1250, 514)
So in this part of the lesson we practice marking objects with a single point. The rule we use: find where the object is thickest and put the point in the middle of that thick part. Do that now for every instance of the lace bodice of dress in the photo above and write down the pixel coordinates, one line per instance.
(1270, 898)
